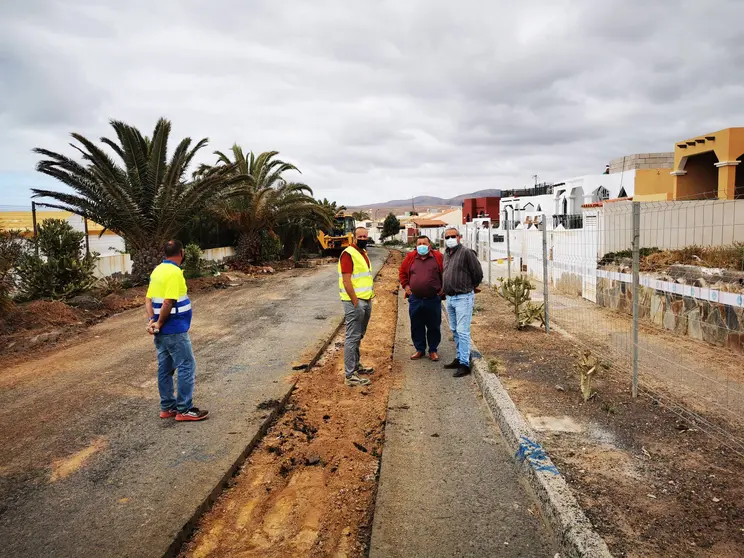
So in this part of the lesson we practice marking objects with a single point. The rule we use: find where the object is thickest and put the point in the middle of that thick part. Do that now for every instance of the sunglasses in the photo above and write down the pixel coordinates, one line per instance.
(451, 236)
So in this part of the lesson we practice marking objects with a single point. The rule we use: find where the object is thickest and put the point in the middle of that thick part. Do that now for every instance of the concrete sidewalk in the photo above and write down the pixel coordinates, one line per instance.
(448, 484)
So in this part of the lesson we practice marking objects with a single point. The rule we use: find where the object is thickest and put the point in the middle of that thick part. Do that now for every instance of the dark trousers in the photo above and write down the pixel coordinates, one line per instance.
(426, 320)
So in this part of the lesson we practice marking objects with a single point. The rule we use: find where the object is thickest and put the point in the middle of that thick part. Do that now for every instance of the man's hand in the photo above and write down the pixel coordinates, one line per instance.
(152, 327)
(355, 302)
(407, 288)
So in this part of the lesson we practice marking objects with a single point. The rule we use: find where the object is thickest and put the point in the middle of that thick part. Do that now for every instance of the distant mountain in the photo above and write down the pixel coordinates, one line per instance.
(422, 202)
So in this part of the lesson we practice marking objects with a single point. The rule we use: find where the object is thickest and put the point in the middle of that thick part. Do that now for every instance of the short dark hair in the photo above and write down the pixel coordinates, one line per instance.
(424, 236)
(173, 248)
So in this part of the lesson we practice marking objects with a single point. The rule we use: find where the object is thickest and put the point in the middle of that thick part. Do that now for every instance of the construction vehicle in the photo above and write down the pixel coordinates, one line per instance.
(340, 237)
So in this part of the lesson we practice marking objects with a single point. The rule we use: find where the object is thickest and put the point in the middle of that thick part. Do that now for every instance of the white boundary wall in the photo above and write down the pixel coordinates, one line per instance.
(122, 263)
(573, 255)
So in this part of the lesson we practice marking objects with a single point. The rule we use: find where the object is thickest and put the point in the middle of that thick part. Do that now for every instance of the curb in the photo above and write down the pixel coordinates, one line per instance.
(185, 533)
(576, 536)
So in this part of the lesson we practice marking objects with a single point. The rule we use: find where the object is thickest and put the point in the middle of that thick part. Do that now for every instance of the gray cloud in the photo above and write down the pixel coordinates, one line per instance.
(378, 100)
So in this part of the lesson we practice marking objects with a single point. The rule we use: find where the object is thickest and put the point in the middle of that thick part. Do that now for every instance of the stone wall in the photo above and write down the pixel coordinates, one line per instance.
(642, 161)
(703, 320)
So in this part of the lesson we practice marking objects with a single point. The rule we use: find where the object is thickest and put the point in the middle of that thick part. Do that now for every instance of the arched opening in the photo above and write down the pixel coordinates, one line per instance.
(739, 191)
(565, 206)
(701, 179)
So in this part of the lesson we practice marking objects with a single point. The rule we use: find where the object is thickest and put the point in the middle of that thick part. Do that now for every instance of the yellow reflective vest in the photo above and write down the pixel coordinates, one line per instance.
(361, 277)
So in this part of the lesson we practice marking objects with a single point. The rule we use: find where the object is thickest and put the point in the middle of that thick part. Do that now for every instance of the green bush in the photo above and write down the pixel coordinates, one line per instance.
(271, 247)
(11, 249)
(60, 270)
(193, 265)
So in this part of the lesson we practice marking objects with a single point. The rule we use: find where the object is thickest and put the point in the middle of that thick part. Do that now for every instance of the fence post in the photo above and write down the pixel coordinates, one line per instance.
(635, 289)
(546, 306)
(488, 258)
(508, 250)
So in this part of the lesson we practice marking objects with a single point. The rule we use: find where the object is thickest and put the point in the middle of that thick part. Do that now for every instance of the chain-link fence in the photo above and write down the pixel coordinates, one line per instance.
(654, 290)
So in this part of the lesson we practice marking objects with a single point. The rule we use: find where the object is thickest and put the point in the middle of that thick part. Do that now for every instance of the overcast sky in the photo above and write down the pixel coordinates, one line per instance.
(374, 100)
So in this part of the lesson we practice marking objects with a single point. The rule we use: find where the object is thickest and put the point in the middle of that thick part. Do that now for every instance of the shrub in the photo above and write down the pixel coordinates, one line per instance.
(271, 247)
(60, 270)
(193, 265)
(11, 249)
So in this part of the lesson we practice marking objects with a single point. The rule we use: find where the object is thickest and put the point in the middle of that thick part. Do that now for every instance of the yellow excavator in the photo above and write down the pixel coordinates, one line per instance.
(339, 237)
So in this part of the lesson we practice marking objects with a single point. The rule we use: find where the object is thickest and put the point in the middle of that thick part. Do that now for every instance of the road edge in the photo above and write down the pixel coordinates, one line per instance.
(576, 535)
(185, 533)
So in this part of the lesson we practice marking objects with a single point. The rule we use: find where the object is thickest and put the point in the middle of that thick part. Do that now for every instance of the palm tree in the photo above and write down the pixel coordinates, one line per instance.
(361, 215)
(264, 202)
(331, 208)
(144, 198)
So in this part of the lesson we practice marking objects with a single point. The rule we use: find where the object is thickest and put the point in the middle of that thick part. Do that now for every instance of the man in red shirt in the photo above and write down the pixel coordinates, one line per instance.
(355, 276)
(420, 275)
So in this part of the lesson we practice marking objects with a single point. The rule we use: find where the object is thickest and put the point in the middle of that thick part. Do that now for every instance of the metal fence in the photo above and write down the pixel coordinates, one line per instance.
(655, 290)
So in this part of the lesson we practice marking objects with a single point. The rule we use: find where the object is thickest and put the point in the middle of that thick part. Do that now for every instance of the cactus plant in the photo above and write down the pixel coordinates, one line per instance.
(516, 291)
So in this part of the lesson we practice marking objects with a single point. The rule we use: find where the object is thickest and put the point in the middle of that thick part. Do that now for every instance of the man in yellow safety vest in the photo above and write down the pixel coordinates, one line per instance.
(355, 284)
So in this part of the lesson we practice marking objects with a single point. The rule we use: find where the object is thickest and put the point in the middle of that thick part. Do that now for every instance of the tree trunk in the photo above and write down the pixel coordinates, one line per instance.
(248, 249)
(144, 261)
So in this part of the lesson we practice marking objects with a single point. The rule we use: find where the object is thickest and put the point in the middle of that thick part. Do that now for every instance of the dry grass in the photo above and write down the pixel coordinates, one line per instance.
(725, 257)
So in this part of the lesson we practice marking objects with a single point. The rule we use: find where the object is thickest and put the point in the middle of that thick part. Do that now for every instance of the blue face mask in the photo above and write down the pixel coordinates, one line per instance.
(422, 249)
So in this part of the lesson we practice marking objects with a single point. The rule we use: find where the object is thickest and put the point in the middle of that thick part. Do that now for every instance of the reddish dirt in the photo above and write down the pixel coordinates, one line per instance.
(651, 483)
(39, 326)
(309, 487)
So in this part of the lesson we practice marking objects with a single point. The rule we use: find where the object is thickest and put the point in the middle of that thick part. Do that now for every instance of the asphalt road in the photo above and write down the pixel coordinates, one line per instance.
(448, 483)
(88, 469)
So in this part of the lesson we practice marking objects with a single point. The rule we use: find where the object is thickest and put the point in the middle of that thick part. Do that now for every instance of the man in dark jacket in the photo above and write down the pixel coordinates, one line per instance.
(420, 275)
(461, 277)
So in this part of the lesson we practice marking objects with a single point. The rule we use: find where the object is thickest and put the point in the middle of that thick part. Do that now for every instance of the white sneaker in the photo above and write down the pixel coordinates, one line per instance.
(355, 380)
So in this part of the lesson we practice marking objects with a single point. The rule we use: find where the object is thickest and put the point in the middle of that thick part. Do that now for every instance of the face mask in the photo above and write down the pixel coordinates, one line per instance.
(362, 243)
(450, 242)
(422, 249)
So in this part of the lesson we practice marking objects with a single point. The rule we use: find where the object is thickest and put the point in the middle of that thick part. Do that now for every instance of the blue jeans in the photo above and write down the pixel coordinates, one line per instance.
(426, 319)
(175, 353)
(459, 315)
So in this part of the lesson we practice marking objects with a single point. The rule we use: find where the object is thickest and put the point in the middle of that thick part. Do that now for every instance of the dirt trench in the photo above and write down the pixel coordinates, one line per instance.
(309, 487)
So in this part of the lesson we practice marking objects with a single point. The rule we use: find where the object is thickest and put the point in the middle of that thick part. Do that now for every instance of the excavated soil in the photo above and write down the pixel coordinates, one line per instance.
(651, 483)
(308, 489)
(40, 326)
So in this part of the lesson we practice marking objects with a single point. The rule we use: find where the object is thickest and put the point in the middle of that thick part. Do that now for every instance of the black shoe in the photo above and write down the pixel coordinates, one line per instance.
(452, 365)
(461, 371)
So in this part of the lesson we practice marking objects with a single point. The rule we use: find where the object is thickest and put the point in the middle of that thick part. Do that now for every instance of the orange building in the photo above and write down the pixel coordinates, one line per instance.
(705, 166)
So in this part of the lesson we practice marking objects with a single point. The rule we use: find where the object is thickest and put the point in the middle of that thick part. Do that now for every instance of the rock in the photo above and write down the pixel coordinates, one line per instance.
(694, 328)
(714, 330)
(735, 342)
(48, 337)
(85, 302)
(657, 309)
(560, 387)
(670, 320)
(313, 460)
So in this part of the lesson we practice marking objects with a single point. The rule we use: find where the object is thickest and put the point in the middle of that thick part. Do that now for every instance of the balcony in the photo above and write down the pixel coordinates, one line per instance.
(568, 221)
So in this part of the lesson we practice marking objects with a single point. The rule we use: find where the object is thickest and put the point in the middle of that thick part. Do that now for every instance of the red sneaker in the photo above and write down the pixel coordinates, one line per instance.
(170, 413)
(192, 414)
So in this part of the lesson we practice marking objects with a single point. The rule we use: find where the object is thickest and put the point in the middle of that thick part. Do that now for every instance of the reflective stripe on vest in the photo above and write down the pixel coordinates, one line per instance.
(361, 276)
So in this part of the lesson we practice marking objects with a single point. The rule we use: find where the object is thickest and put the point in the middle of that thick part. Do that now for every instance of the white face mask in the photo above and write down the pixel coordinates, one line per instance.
(450, 242)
